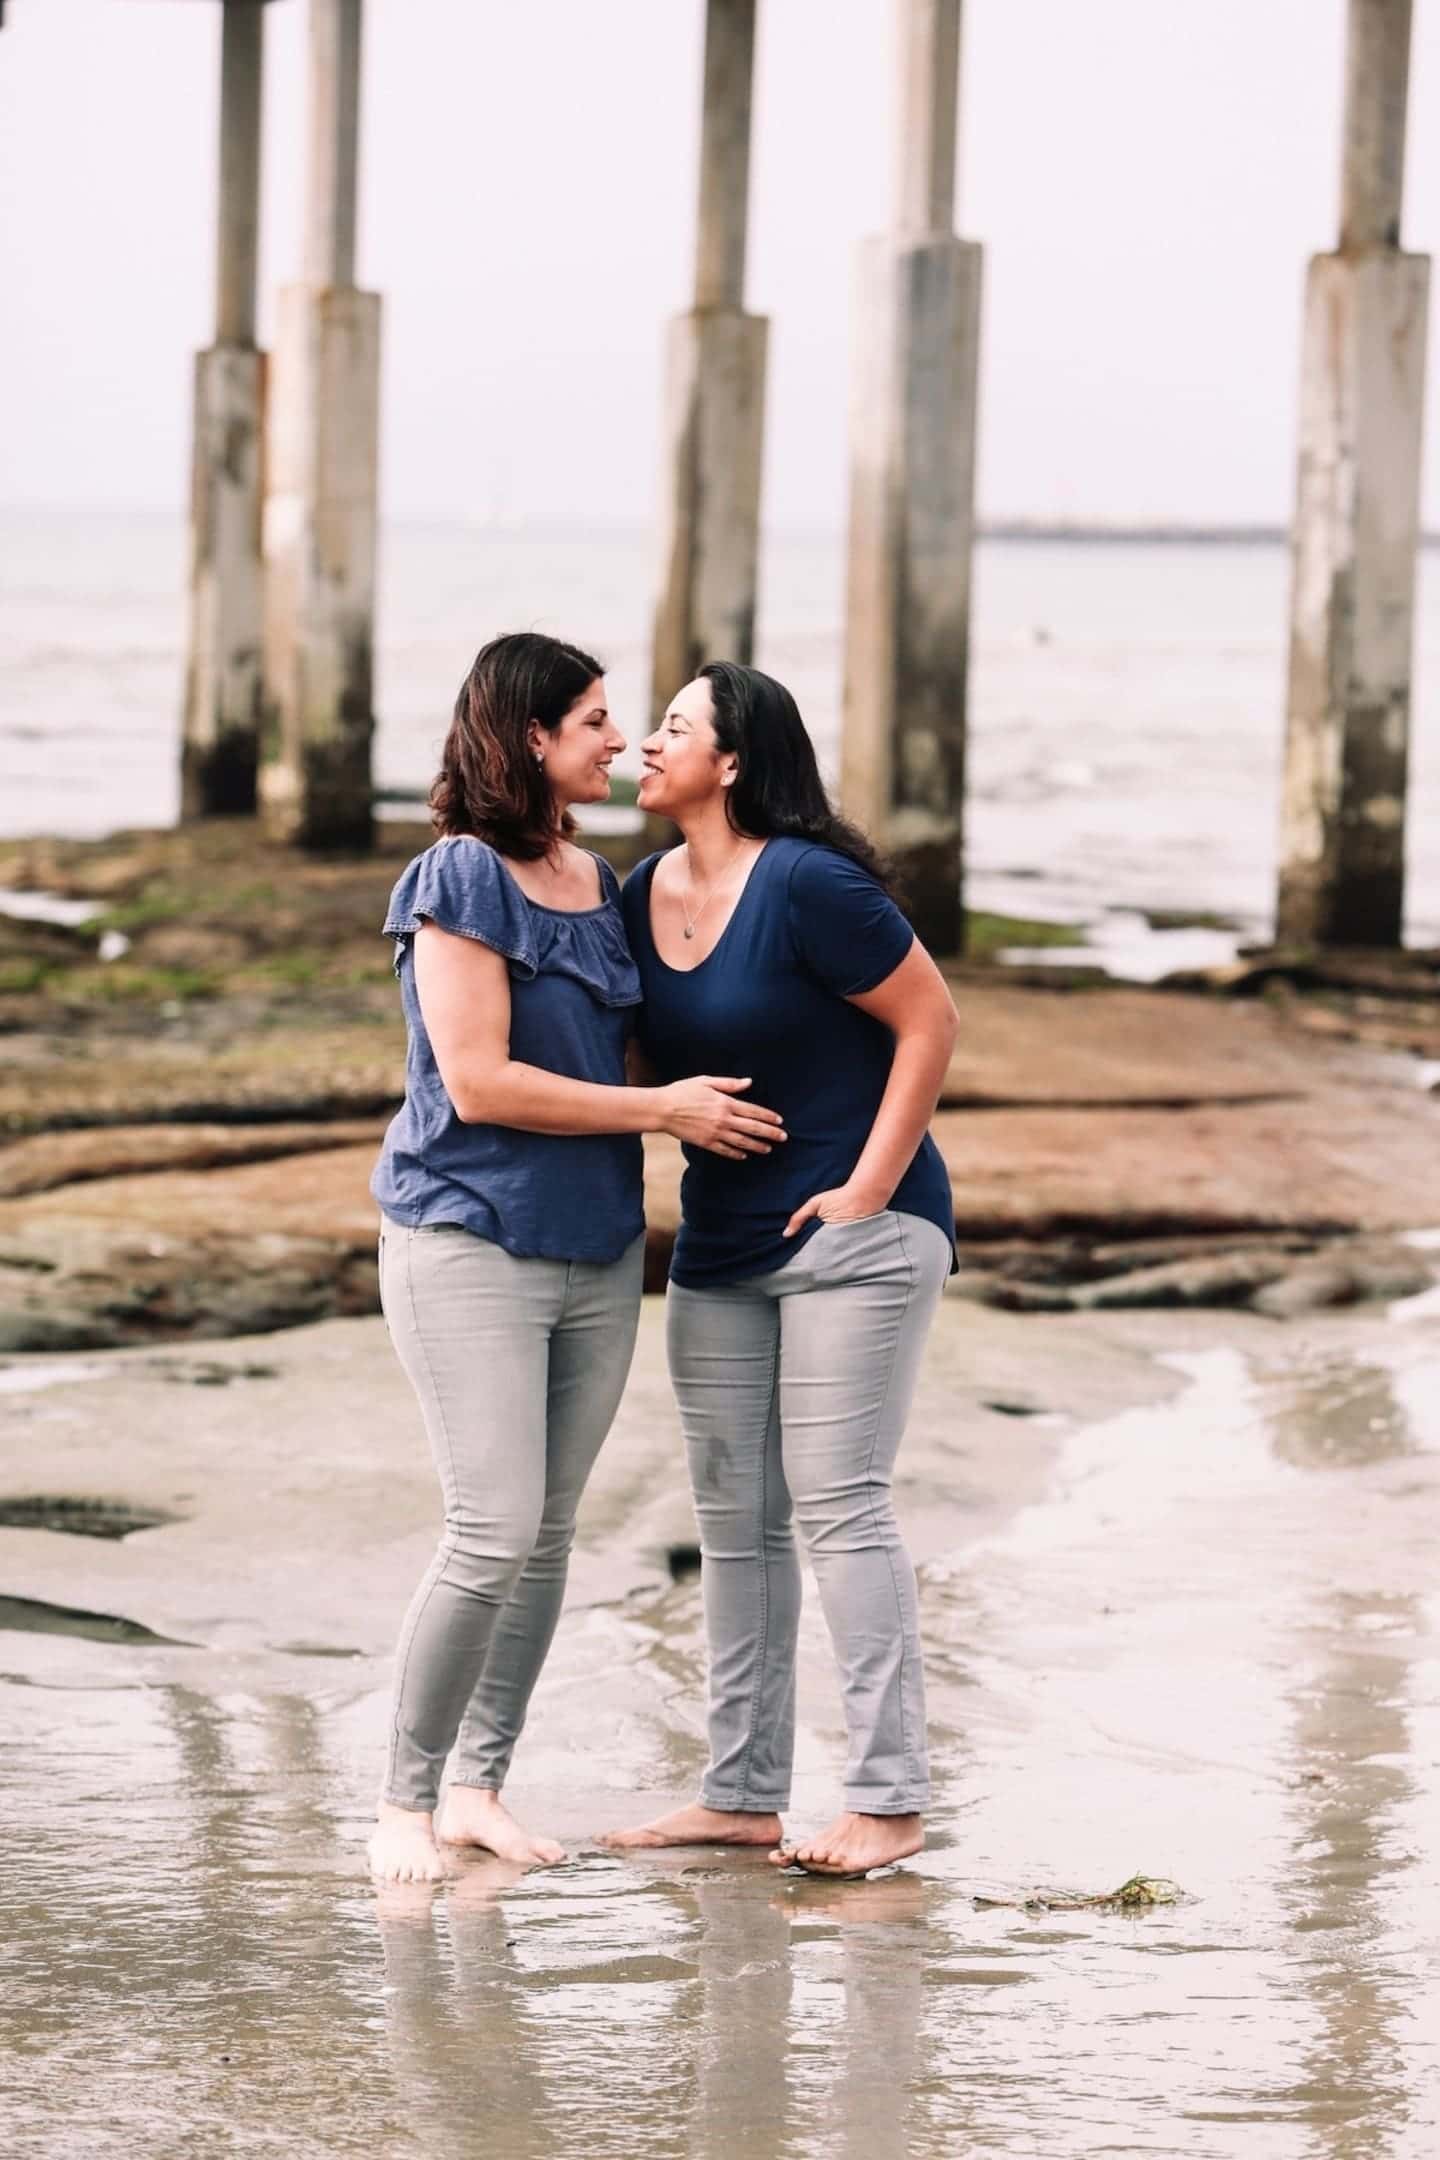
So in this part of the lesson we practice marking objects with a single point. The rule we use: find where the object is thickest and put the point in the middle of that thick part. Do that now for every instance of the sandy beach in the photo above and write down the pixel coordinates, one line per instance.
(1178, 1598)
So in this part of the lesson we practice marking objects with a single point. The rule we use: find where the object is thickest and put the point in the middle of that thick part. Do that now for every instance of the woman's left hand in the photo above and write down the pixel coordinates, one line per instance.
(845, 1203)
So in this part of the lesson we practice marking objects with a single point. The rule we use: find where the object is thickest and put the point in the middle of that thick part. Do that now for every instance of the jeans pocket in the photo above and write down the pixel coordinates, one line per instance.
(859, 1247)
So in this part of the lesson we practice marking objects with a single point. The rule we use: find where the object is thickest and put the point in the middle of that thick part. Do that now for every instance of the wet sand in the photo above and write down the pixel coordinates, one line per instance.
(1180, 1603)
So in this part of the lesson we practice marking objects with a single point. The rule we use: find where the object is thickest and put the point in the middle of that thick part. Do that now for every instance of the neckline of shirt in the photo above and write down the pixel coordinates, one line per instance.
(573, 913)
(729, 920)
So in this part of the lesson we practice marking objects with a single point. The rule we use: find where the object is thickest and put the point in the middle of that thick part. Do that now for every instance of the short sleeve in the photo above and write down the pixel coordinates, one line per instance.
(848, 932)
(462, 886)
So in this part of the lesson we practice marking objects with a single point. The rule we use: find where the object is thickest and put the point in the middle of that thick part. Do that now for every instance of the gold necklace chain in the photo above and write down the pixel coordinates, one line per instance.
(691, 920)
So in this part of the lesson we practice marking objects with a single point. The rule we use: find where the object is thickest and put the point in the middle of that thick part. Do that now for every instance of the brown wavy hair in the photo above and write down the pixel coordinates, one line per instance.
(489, 784)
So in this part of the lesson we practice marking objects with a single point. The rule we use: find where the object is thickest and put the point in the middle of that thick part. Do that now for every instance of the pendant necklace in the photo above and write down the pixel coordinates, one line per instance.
(691, 920)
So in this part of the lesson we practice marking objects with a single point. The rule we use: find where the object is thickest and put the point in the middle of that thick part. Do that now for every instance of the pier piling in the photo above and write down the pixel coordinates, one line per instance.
(912, 489)
(223, 683)
(1356, 528)
(322, 497)
(715, 393)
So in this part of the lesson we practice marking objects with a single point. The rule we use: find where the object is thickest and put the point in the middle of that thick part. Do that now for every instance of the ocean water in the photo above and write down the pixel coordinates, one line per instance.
(1126, 710)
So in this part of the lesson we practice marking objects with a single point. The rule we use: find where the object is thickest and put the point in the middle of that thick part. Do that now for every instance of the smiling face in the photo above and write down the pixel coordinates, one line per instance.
(683, 769)
(578, 753)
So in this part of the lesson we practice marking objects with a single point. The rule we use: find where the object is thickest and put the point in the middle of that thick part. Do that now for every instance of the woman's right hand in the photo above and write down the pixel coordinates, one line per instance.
(705, 1113)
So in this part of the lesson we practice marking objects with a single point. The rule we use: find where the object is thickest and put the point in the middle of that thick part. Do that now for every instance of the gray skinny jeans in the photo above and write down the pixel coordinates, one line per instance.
(794, 1388)
(519, 1366)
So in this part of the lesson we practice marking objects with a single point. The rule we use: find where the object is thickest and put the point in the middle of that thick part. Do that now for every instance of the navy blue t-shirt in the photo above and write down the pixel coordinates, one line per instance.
(810, 929)
(573, 991)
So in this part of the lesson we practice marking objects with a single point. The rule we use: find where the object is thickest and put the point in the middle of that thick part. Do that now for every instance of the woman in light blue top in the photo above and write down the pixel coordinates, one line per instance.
(512, 1239)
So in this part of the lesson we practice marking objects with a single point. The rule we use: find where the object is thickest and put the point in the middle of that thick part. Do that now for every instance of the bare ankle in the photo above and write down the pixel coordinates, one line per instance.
(402, 1817)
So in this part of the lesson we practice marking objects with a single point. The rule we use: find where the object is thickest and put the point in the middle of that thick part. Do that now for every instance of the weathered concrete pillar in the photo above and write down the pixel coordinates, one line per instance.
(715, 399)
(322, 491)
(912, 489)
(1356, 529)
(223, 688)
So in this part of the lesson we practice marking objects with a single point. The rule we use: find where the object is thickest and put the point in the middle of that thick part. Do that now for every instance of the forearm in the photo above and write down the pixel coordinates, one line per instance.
(917, 1074)
(529, 1099)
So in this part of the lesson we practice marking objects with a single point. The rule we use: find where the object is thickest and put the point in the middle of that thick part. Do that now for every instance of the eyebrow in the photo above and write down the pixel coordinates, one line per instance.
(678, 716)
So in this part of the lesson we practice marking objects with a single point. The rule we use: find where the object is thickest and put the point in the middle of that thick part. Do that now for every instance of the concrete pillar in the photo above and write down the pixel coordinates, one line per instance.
(223, 687)
(1356, 529)
(322, 492)
(715, 397)
(912, 490)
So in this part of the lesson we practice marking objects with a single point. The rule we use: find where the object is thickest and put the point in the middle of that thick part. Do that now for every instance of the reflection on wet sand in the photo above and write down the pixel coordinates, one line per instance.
(743, 2042)
(1350, 1891)
(1356, 1889)
(1338, 1412)
(1206, 1649)
(862, 2055)
(463, 2052)
(787, 2023)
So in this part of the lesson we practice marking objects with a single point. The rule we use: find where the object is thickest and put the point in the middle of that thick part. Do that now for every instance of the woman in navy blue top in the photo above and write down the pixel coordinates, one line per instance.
(803, 1281)
(512, 1240)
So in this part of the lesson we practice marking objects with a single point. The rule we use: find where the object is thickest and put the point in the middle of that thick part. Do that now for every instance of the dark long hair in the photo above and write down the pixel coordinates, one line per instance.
(489, 784)
(777, 786)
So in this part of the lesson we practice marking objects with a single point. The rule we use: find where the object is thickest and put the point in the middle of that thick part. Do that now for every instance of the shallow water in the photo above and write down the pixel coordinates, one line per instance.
(1126, 706)
(1208, 1651)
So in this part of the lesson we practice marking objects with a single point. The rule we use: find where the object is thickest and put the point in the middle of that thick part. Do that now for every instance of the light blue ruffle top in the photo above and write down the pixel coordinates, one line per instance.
(573, 990)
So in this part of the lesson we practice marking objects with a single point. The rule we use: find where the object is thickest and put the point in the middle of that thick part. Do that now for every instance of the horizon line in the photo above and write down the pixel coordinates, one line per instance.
(1006, 527)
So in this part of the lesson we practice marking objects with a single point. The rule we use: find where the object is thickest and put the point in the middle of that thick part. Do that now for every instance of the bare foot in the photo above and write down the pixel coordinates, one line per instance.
(697, 1825)
(854, 1844)
(473, 1815)
(402, 1847)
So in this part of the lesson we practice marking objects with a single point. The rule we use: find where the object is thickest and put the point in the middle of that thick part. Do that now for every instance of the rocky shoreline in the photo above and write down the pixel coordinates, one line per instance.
(187, 1125)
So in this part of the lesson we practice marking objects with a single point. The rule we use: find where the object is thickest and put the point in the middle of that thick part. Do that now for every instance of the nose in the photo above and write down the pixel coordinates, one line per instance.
(651, 744)
(616, 742)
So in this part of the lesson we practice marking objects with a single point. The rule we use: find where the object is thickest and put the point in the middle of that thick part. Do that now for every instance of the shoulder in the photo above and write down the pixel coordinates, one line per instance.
(635, 901)
(645, 869)
(461, 885)
(590, 862)
(847, 930)
(461, 855)
(822, 874)
(637, 883)
(452, 855)
(454, 867)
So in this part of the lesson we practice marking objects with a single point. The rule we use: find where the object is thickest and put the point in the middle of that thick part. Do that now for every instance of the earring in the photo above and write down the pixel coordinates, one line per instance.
(540, 759)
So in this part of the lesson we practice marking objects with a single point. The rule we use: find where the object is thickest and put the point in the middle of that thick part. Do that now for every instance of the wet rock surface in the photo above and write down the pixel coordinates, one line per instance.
(49, 1160)
(192, 1123)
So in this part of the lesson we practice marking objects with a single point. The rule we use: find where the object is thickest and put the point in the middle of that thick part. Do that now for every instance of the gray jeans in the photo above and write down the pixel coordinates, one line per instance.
(794, 1388)
(519, 1366)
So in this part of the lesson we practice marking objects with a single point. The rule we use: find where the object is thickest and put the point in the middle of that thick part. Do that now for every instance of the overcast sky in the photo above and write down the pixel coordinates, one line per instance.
(1147, 177)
